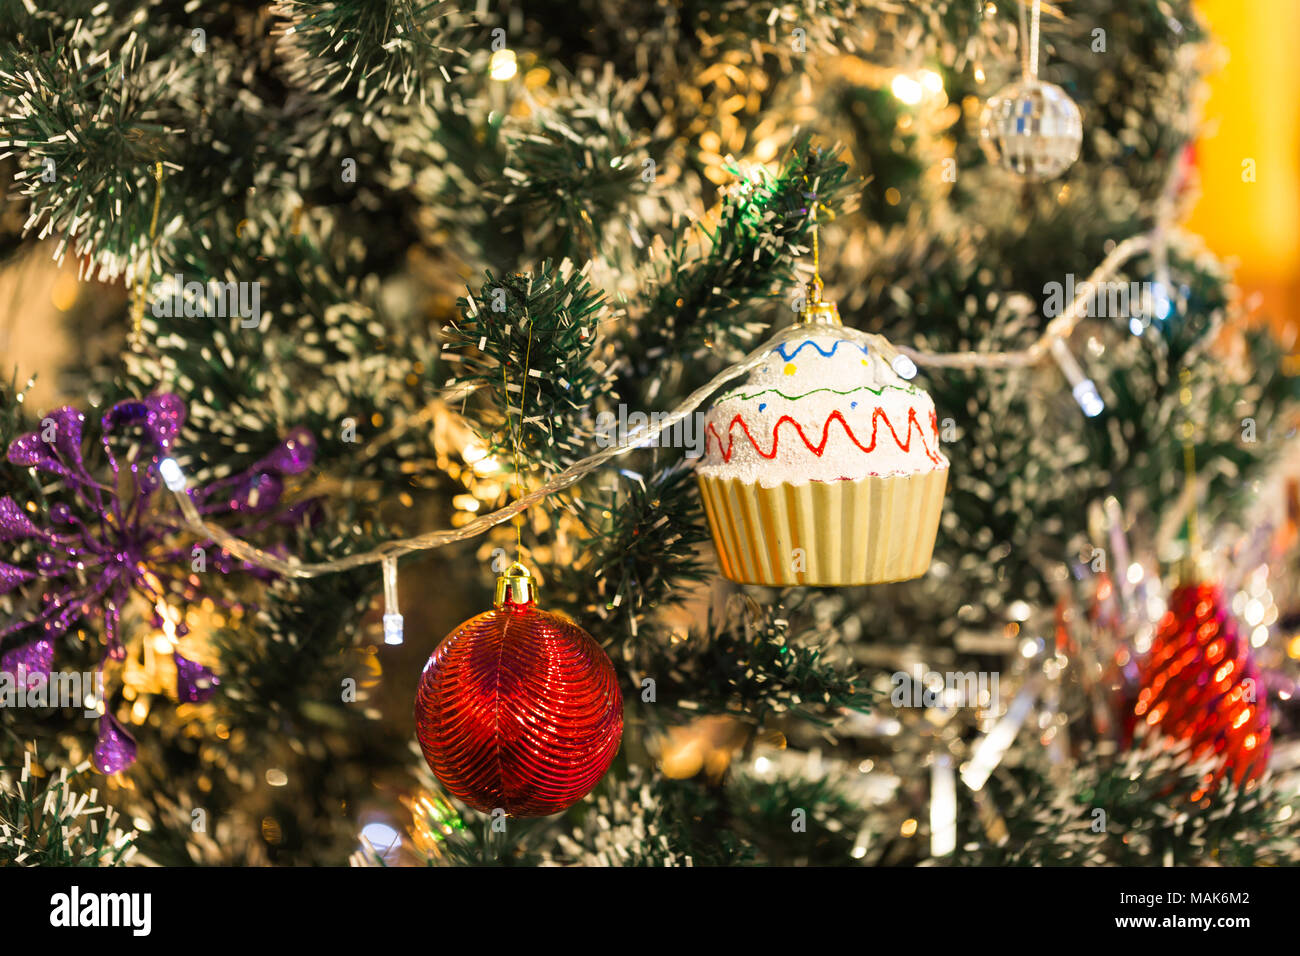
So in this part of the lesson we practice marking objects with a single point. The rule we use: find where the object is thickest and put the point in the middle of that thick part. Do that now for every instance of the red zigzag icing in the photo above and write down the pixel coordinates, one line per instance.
(817, 449)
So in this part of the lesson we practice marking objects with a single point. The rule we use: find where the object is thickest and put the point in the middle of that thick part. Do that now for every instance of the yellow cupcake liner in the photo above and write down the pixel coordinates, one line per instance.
(825, 533)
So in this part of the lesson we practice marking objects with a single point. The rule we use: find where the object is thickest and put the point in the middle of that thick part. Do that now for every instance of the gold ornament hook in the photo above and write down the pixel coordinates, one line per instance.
(516, 586)
(816, 310)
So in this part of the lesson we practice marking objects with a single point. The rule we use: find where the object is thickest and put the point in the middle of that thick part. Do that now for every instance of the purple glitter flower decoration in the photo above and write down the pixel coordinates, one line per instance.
(30, 662)
(115, 749)
(13, 523)
(11, 577)
(121, 535)
(195, 683)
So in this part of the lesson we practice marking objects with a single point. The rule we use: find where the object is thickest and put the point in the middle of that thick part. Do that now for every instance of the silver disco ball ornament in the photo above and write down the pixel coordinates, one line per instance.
(1032, 128)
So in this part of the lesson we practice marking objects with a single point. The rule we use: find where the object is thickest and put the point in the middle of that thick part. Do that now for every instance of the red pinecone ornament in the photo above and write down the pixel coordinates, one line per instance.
(519, 709)
(1200, 683)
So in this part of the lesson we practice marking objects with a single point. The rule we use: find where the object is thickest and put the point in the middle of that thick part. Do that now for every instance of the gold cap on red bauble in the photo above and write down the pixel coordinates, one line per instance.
(516, 586)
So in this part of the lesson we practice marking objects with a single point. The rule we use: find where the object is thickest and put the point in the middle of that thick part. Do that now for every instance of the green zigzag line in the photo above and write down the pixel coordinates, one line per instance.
(906, 389)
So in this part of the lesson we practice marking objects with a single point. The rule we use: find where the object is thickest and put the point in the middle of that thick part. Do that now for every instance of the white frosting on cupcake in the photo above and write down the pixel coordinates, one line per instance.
(822, 408)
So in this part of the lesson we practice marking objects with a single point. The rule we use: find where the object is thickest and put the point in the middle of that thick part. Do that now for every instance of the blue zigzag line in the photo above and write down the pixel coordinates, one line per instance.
(780, 349)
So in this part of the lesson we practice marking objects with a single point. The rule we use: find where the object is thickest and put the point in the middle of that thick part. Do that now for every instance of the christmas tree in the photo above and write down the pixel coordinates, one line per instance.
(350, 294)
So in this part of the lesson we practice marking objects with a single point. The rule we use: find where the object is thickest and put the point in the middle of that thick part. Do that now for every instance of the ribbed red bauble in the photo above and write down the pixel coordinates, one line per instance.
(1199, 683)
(519, 709)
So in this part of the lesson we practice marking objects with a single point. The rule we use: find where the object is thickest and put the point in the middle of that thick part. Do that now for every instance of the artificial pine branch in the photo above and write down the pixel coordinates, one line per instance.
(54, 818)
(642, 553)
(89, 131)
(751, 666)
(577, 168)
(365, 51)
(529, 342)
(699, 299)
(1146, 806)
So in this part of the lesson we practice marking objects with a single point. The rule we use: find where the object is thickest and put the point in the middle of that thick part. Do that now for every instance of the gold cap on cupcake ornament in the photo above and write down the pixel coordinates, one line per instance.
(816, 310)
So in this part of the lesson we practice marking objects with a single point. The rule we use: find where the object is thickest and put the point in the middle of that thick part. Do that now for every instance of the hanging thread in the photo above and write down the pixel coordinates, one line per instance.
(516, 435)
(1033, 39)
(142, 281)
(817, 257)
(1029, 41)
(815, 308)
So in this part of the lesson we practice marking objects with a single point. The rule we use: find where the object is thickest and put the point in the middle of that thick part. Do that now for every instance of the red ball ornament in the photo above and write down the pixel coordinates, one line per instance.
(519, 709)
(1199, 683)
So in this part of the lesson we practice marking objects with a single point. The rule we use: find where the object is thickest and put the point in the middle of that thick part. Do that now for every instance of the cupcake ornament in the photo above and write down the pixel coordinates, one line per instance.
(823, 469)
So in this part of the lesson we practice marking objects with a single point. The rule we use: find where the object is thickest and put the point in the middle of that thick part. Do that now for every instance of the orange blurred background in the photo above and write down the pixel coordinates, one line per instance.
(1252, 126)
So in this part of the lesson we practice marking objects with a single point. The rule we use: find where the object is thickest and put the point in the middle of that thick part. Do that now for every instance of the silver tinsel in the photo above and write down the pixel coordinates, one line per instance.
(1032, 128)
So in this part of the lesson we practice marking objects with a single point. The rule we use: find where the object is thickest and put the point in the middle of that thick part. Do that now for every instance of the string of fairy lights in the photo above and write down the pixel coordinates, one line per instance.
(903, 359)
(1053, 343)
